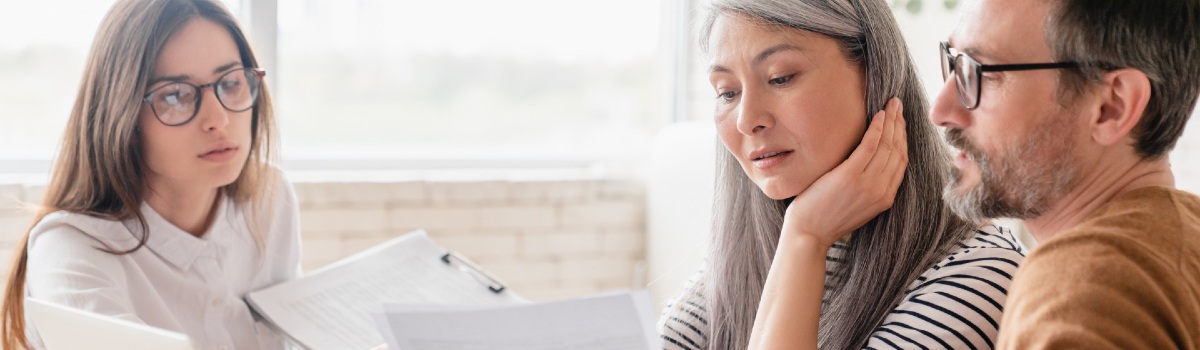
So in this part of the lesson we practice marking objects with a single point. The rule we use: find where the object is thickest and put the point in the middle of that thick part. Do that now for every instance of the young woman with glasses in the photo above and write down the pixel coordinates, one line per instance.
(163, 207)
(829, 227)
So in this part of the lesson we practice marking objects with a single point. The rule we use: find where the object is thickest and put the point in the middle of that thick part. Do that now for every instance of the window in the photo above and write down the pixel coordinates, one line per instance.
(382, 79)
(468, 79)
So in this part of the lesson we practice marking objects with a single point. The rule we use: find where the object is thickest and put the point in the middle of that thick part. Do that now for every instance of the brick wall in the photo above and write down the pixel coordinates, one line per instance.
(546, 238)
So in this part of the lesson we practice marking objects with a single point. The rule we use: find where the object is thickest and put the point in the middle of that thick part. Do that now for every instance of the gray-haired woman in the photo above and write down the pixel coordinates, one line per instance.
(825, 234)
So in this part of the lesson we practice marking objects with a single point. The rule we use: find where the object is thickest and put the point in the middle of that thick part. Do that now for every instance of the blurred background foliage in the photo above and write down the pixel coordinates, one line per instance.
(915, 6)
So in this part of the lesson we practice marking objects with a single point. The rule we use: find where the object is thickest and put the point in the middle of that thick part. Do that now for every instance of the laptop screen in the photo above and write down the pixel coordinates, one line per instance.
(62, 327)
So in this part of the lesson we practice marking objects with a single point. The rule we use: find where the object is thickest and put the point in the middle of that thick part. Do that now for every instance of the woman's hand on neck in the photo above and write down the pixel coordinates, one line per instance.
(859, 189)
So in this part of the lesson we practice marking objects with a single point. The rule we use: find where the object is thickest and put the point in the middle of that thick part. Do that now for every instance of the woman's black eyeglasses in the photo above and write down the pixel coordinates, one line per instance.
(177, 103)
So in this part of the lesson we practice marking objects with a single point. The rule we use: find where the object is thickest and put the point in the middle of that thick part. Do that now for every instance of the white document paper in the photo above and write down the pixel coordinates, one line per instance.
(612, 321)
(331, 308)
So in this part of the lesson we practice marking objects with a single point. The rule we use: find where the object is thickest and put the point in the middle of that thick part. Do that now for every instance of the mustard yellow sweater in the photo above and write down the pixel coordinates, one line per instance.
(1128, 277)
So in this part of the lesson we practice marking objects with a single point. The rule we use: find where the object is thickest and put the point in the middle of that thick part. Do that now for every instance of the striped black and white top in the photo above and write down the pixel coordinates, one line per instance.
(954, 305)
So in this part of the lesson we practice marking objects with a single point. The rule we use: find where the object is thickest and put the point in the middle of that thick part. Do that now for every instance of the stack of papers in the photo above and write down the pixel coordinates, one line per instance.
(613, 321)
(413, 294)
(331, 308)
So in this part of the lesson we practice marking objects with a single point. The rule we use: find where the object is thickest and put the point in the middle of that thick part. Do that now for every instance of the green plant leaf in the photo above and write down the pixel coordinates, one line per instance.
(914, 6)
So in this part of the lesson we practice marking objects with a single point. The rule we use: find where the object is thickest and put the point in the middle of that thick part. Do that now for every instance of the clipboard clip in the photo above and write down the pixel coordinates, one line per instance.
(461, 263)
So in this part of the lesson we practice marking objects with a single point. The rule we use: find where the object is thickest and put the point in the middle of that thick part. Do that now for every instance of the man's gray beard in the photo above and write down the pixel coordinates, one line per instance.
(1007, 189)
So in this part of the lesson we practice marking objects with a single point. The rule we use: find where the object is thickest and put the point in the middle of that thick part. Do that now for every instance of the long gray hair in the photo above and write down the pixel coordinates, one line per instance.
(885, 255)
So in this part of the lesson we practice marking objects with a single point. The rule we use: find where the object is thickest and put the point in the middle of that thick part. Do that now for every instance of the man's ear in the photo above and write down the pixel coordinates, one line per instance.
(1123, 98)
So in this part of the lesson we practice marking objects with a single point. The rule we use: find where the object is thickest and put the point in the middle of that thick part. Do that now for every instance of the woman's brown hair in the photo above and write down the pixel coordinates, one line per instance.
(100, 168)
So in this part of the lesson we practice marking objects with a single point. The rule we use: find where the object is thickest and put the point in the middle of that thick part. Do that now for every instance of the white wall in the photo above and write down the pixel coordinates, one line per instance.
(679, 195)
(546, 238)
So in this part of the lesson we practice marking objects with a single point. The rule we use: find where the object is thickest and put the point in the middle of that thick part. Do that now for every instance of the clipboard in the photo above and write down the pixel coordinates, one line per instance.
(331, 308)
(467, 266)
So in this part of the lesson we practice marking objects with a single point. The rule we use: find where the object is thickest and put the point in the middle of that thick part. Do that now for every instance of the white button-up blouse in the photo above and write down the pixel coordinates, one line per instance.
(177, 281)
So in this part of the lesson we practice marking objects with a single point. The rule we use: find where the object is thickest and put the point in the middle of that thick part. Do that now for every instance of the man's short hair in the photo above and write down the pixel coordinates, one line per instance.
(1161, 38)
